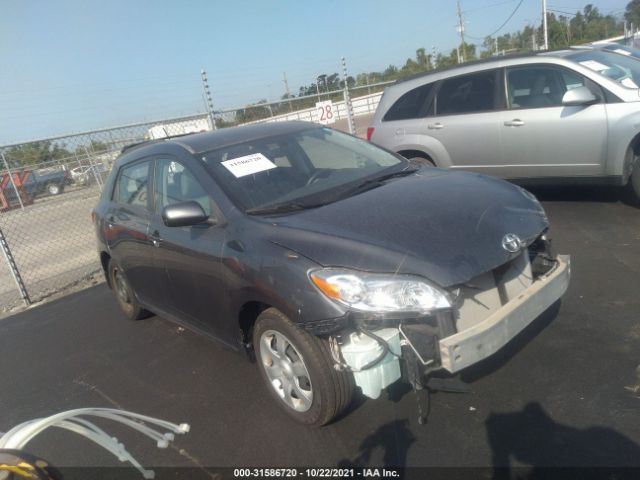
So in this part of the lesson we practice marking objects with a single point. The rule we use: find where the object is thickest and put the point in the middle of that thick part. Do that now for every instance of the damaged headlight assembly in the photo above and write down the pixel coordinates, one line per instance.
(373, 356)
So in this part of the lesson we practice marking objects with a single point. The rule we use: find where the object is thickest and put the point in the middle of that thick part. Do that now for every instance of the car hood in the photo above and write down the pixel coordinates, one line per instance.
(446, 226)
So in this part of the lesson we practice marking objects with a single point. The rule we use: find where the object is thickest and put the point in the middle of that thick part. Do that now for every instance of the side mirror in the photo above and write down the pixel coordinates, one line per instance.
(578, 96)
(183, 214)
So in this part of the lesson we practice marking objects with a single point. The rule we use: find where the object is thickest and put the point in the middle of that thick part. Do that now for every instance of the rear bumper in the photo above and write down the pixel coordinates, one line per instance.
(469, 346)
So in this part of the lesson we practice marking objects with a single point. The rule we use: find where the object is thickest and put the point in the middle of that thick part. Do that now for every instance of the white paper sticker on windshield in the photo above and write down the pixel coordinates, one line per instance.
(593, 65)
(627, 82)
(248, 165)
(622, 52)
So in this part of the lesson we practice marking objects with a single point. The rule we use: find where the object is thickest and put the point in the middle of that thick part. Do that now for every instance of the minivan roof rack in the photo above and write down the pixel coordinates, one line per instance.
(471, 63)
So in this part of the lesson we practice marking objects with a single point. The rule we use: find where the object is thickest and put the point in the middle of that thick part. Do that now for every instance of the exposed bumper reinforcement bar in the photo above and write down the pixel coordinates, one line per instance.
(465, 348)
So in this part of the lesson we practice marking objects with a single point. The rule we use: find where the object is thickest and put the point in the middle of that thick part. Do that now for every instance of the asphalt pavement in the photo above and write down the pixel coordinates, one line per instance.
(564, 393)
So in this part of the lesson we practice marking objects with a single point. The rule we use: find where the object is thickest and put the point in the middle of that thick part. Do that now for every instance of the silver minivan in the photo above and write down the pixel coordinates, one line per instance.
(562, 116)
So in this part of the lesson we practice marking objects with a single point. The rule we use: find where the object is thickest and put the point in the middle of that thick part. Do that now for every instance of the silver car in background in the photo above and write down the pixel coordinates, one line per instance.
(563, 116)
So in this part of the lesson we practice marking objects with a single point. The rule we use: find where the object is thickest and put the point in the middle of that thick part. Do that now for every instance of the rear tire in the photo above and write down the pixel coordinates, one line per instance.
(297, 369)
(54, 189)
(421, 162)
(634, 183)
(124, 293)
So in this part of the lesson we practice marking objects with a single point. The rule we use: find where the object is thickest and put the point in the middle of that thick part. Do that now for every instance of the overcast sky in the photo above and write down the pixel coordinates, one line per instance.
(74, 65)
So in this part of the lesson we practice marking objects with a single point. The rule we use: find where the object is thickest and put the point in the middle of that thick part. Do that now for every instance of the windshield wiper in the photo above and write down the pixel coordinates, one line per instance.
(378, 181)
(282, 208)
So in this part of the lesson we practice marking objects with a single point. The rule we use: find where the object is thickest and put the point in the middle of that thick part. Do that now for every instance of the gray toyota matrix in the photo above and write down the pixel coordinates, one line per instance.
(331, 262)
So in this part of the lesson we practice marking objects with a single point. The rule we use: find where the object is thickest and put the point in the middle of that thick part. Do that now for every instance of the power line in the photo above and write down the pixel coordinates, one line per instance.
(501, 26)
(488, 6)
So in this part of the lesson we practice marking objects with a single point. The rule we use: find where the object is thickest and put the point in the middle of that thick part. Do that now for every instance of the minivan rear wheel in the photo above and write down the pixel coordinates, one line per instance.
(298, 371)
(124, 294)
(421, 162)
(634, 182)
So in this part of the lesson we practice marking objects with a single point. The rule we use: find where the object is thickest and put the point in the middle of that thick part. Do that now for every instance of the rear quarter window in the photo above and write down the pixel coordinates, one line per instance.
(413, 104)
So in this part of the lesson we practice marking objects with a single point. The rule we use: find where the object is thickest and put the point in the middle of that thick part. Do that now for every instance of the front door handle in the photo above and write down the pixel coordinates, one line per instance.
(516, 122)
(435, 126)
(155, 238)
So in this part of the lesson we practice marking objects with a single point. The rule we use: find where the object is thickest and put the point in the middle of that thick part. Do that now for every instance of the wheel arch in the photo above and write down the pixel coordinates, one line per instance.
(105, 258)
(247, 316)
(408, 154)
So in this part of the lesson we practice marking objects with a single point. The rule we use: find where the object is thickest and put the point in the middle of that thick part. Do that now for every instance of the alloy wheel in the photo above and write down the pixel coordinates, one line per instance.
(286, 370)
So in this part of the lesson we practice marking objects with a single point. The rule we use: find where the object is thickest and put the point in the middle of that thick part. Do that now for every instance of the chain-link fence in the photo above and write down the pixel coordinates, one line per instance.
(48, 187)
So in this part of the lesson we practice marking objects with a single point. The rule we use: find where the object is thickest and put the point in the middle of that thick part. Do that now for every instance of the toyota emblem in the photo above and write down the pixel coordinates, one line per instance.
(512, 243)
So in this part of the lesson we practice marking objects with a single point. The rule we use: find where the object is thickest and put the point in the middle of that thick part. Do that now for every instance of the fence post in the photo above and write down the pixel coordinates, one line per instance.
(13, 268)
(93, 168)
(347, 99)
(6, 165)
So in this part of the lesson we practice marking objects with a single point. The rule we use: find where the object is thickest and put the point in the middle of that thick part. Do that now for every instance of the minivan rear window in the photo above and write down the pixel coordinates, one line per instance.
(412, 104)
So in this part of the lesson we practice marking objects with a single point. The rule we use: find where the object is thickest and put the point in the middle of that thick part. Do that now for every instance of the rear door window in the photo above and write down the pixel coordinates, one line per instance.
(413, 104)
(133, 184)
(471, 93)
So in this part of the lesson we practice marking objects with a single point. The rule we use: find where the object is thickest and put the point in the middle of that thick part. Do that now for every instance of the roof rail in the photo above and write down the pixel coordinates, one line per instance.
(131, 146)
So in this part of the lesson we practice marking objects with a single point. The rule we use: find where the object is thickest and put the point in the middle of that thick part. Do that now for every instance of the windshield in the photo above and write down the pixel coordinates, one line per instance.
(622, 68)
(310, 166)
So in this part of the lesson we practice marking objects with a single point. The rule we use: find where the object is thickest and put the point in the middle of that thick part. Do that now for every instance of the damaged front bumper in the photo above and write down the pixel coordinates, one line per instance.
(469, 346)
(435, 347)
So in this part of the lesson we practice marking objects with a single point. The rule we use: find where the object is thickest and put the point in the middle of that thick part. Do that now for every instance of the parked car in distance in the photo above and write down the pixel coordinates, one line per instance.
(86, 174)
(327, 258)
(562, 116)
(44, 181)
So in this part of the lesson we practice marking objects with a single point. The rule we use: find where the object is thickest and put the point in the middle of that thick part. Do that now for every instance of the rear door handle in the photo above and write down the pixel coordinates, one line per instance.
(435, 126)
(155, 238)
(516, 122)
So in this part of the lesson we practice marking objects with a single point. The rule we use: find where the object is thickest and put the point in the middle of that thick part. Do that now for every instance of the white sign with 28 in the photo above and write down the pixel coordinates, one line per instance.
(325, 113)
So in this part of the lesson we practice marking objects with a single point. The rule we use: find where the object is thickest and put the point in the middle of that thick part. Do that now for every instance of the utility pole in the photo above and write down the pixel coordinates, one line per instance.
(207, 96)
(544, 24)
(461, 30)
(286, 89)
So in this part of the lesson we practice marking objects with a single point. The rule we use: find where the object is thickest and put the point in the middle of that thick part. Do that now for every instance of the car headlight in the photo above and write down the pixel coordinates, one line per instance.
(372, 292)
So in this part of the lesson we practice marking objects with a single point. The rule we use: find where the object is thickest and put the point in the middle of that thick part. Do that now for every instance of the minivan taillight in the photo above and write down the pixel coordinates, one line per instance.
(370, 132)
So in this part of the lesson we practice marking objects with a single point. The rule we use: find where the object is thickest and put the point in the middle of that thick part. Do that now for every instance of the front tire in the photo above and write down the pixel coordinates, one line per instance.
(298, 370)
(124, 294)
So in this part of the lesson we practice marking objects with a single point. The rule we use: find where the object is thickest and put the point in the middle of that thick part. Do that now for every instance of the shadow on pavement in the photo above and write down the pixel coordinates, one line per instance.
(394, 440)
(531, 437)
